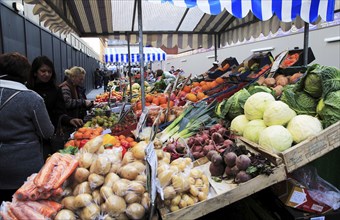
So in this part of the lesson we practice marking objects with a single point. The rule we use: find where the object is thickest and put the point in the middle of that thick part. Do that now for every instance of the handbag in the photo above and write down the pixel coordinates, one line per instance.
(59, 138)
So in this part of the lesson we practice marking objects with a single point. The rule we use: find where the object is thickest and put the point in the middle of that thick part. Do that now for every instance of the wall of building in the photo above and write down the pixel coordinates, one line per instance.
(325, 53)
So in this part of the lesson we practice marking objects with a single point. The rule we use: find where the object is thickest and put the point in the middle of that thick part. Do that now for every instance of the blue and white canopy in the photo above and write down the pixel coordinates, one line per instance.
(285, 10)
(120, 54)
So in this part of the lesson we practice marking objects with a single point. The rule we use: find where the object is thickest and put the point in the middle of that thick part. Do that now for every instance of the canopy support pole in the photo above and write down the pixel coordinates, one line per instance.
(215, 46)
(140, 37)
(129, 65)
(305, 44)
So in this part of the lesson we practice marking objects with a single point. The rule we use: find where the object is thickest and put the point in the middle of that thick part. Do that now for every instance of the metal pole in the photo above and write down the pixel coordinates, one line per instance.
(129, 65)
(140, 30)
(305, 44)
(215, 45)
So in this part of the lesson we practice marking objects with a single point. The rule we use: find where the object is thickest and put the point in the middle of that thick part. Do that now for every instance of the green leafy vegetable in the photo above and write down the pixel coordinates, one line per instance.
(328, 109)
(69, 150)
(300, 102)
(235, 104)
(256, 88)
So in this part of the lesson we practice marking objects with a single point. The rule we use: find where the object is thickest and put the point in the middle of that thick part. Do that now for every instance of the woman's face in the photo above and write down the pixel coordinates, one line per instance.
(44, 73)
(79, 79)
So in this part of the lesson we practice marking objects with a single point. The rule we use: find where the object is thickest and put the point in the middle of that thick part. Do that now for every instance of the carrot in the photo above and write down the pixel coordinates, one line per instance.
(57, 192)
(27, 191)
(7, 214)
(44, 174)
(45, 195)
(67, 172)
(30, 213)
(52, 204)
(43, 209)
(56, 174)
(17, 212)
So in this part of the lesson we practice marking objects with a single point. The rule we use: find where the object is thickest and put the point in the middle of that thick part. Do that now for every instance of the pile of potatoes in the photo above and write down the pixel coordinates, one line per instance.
(182, 185)
(104, 186)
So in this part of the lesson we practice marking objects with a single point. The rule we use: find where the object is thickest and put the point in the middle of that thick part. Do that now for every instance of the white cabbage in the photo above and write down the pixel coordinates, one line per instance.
(257, 104)
(276, 138)
(278, 113)
(302, 127)
(253, 130)
(238, 124)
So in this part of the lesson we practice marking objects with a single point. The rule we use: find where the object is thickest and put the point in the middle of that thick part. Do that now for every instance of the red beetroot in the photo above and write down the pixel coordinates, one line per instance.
(208, 148)
(242, 162)
(196, 148)
(210, 154)
(217, 138)
(230, 159)
(242, 177)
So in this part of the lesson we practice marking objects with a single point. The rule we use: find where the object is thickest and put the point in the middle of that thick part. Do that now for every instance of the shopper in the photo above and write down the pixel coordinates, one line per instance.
(42, 79)
(73, 93)
(97, 79)
(24, 121)
(106, 79)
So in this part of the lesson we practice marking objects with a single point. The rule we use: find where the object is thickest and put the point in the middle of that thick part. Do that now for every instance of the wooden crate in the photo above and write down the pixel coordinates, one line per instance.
(312, 148)
(236, 193)
(306, 151)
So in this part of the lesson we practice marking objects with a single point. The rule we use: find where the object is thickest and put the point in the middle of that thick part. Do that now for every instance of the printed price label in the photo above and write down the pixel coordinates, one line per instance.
(142, 121)
(298, 197)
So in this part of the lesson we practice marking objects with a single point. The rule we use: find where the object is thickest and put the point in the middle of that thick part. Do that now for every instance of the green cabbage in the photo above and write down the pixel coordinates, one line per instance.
(313, 85)
(238, 124)
(234, 105)
(302, 127)
(320, 80)
(328, 109)
(256, 105)
(278, 113)
(256, 88)
(300, 102)
(276, 138)
(253, 130)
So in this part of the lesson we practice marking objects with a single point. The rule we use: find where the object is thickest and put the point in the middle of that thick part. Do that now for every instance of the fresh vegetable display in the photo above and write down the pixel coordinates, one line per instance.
(216, 138)
(182, 185)
(289, 60)
(238, 163)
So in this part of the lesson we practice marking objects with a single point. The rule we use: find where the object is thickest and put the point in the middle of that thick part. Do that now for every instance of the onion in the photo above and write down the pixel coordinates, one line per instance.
(171, 147)
(217, 138)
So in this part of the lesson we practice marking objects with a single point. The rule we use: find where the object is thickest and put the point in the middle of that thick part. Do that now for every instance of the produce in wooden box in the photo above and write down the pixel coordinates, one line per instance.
(106, 186)
(213, 139)
(182, 185)
(239, 164)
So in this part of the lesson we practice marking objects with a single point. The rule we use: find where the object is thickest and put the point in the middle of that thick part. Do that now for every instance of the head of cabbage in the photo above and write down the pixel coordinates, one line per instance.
(238, 124)
(302, 127)
(328, 109)
(253, 130)
(278, 113)
(313, 85)
(256, 105)
(275, 138)
(234, 105)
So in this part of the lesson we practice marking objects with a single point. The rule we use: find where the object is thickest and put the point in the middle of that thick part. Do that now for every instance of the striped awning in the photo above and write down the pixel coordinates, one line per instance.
(193, 25)
(285, 10)
(120, 54)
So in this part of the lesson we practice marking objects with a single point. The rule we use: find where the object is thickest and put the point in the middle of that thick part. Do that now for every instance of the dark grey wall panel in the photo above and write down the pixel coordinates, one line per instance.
(46, 44)
(13, 31)
(69, 56)
(57, 59)
(33, 41)
(63, 52)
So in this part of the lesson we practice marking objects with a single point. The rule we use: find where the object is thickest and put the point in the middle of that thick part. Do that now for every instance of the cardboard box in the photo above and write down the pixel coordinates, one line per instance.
(292, 194)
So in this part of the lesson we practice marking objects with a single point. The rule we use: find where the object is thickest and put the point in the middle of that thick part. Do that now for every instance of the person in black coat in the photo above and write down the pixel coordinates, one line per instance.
(42, 79)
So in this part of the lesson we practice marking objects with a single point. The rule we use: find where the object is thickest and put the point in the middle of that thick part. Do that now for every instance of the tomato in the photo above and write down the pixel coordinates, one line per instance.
(83, 142)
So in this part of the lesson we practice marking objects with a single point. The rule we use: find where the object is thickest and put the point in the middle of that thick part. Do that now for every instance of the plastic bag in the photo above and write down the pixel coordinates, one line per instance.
(319, 189)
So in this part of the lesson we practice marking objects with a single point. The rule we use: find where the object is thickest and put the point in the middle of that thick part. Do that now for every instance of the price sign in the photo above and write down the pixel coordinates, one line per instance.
(142, 121)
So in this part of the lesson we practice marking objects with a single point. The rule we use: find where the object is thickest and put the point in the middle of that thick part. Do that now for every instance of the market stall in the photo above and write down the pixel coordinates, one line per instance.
(209, 154)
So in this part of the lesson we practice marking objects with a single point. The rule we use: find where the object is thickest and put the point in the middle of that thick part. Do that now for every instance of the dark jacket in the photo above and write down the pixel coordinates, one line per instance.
(74, 100)
(54, 102)
(24, 122)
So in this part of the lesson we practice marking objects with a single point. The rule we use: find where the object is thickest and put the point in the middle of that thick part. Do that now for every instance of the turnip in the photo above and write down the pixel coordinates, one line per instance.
(230, 159)
(243, 162)
(196, 148)
(242, 177)
(217, 159)
(208, 148)
(210, 154)
(217, 138)
(234, 170)
(222, 131)
(216, 169)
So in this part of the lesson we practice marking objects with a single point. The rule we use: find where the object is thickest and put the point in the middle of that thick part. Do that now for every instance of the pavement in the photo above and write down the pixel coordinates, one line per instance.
(92, 94)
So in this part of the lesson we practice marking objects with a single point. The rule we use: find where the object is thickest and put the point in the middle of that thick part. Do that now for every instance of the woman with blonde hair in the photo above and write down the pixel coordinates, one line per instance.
(75, 101)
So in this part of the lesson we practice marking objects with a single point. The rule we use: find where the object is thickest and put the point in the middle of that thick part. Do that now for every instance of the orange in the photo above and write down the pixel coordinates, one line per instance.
(162, 100)
(200, 95)
(219, 80)
(202, 83)
(133, 143)
(121, 137)
(187, 89)
(129, 139)
(78, 135)
(191, 97)
(194, 84)
(82, 130)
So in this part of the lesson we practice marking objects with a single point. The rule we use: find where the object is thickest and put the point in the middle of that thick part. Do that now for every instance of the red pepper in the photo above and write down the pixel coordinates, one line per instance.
(123, 151)
(82, 143)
